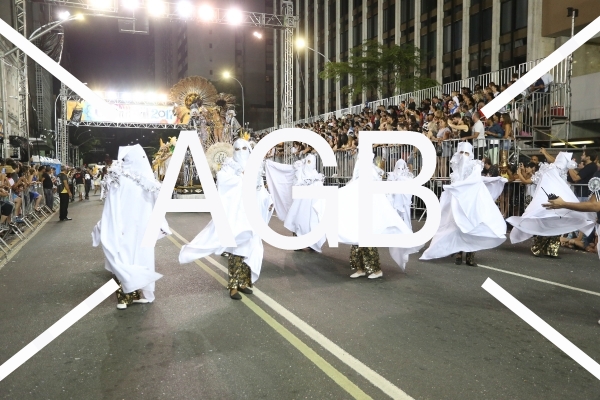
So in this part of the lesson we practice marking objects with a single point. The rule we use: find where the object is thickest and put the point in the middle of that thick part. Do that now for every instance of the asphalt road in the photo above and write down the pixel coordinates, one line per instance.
(432, 333)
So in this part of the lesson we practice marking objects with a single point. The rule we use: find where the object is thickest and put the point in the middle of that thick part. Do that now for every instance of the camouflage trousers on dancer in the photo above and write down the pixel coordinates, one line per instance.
(545, 246)
(365, 258)
(239, 273)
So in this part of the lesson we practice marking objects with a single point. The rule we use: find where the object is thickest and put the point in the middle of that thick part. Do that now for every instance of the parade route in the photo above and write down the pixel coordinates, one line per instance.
(308, 331)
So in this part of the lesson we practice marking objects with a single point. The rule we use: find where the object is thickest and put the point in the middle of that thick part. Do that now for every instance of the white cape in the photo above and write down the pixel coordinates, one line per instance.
(471, 221)
(300, 216)
(537, 220)
(127, 210)
(401, 202)
(385, 221)
(249, 244)
(495, 185)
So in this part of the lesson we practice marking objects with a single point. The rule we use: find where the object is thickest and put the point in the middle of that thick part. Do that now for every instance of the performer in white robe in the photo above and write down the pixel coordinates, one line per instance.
(300, 216)
(130, 190)
(401, 202)
(590, 206)
(494, 185)
(471, 221)
(385, 221)
(547, 225)
(245, 260)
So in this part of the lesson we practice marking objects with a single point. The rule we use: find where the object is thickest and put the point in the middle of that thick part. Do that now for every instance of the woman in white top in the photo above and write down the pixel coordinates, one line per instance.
(443, 135)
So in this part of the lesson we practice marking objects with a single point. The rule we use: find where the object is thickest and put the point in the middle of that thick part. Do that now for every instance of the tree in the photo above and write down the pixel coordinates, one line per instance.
(376, 68)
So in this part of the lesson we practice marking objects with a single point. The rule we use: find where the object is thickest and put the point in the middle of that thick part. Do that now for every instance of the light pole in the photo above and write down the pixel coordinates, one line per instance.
(33, 36)
(36, 34)
(227, 75)
(301, 44)
(573, 13)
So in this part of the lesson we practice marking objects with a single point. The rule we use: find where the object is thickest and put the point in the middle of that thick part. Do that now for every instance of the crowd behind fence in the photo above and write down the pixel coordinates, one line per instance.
(512, 201)
(559, 73)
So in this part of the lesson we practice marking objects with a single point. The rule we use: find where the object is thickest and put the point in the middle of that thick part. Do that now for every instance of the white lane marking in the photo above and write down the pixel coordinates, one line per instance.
(542, 327)
(379, 381)
(546, 65)
(59, 327)
(51, 66)
(541, 280)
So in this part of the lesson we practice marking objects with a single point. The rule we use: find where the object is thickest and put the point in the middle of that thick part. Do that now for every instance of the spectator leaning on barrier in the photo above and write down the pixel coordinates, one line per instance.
(48, 186)
(583, 176)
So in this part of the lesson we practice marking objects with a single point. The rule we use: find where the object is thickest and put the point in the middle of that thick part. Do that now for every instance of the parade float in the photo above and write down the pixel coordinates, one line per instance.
(198, 106)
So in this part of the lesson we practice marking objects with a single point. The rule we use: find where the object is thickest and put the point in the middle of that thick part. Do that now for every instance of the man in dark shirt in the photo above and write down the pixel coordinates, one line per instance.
(47, 185)
(583, 176)
(79, 183)
(64, 193)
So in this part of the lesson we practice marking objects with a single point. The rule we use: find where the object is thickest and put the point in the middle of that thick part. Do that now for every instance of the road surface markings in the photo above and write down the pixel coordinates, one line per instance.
(542, 327)
(540, 280)
(59, 327)
(379, 381)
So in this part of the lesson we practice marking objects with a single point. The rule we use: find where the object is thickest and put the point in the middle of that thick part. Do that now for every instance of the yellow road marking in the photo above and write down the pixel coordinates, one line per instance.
(309, 353)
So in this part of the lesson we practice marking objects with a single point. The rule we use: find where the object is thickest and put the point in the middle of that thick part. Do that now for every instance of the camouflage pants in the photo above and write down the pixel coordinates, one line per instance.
(239, 273)
(365, 258)
(545, 245)
(126, 298)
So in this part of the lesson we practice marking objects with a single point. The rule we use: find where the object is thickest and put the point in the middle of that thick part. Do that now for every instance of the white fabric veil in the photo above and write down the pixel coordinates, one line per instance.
(131, 194)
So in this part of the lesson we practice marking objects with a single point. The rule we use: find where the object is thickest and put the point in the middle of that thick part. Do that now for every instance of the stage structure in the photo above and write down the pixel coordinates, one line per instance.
(193, 104)
(286, 22)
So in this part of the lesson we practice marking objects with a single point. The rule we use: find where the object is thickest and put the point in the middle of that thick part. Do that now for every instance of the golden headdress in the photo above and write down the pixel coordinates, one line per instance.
(244, 135)
(224, 100)
(192, 90)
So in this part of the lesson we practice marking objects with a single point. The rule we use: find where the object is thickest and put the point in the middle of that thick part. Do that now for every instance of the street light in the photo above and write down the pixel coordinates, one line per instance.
(227, 75)
(44, 29)
(301, 43)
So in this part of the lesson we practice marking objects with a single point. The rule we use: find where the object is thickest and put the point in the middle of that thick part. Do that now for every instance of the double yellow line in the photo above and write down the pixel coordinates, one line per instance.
(303, 348)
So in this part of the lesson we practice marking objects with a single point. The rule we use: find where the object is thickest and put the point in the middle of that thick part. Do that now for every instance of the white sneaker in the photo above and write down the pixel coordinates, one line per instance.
(141, 301)
(121, 306)
(358, 274)
(376, 275)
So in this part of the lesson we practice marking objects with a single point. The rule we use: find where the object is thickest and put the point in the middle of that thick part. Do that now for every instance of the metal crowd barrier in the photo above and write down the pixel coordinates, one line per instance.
(31, 219)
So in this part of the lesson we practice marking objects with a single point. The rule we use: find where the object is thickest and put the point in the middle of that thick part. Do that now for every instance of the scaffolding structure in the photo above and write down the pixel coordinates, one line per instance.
(20, 18)
(287, 22)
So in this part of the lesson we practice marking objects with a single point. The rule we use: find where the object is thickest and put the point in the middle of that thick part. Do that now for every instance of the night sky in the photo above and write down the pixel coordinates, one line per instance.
(96, 53)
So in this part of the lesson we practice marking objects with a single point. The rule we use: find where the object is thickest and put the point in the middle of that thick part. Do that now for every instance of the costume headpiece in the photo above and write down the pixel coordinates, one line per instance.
(192, 93)
(225, 100)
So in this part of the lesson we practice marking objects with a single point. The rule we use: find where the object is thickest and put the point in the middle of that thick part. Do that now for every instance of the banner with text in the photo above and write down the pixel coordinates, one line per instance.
(132, 113)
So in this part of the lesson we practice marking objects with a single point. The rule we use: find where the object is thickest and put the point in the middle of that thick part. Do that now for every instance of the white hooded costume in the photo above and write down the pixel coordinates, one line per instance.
(385, 218)
(229, 186)
(130, 193)
(401, 202)
(471, 221)
(537, 220)
(300, 216)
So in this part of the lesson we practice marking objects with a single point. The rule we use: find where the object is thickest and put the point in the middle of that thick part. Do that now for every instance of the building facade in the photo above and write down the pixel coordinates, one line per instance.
(190, 48)
(458, 39)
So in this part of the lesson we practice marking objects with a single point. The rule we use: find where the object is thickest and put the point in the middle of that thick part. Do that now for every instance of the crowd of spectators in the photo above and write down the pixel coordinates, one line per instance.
(22, 185)
(453, 117)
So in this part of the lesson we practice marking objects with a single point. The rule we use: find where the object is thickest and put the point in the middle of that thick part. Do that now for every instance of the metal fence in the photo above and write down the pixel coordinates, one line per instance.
(512, 201)
(559, 73)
